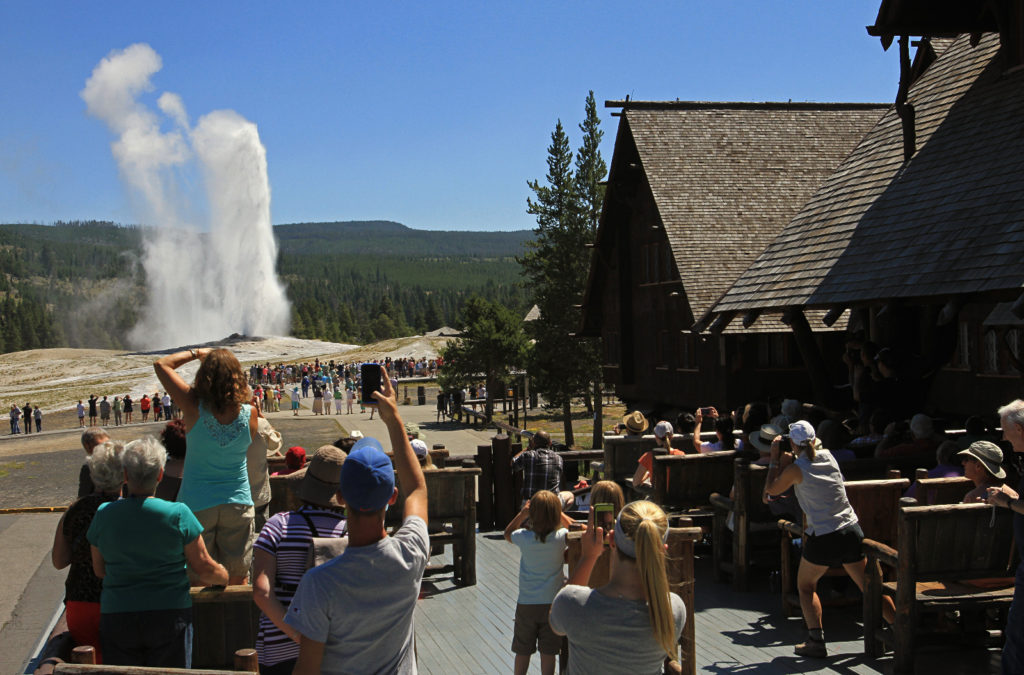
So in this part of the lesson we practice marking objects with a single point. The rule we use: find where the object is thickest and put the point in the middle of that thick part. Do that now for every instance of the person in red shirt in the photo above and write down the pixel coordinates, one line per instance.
(645, 465)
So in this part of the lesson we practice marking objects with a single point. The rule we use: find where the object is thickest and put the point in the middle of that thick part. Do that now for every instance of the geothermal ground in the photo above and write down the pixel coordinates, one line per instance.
(57, 379)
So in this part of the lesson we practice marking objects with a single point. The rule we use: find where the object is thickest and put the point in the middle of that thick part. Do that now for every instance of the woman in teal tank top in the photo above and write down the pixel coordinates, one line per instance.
(220, 425)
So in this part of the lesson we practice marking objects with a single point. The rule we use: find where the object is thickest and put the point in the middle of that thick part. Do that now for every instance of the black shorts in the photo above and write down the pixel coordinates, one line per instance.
(835, 548)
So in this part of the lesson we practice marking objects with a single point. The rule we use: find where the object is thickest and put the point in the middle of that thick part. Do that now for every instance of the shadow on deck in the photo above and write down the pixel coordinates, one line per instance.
(469, 630)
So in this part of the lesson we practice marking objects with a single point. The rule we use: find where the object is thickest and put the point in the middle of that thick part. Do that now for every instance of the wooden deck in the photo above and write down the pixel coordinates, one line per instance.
(469, 630)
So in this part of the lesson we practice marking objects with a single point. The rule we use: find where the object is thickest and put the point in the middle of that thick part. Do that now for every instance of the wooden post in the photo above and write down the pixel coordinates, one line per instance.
(485, 505)
(468, 561)
(246, 660)
(504, 497)
(680, 572)
(85, 654)
(811, 353)
(597, 441)
(741, 524)
(906, 592)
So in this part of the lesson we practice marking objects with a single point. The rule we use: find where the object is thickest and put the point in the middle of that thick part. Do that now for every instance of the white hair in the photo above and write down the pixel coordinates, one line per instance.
(921, 425)
(105, 466)
(143, 460)
(1013, 412)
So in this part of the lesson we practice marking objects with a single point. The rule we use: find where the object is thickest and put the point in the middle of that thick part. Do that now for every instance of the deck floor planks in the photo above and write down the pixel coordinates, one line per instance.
(469, 630)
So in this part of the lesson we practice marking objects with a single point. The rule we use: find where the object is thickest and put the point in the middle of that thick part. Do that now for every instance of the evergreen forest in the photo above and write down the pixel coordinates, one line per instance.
(79, 284)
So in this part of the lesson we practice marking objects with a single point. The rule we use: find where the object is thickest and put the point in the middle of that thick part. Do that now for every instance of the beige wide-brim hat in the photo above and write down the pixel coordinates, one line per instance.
(762, 439)
(318, 483)
(989, 454)
(635, 422)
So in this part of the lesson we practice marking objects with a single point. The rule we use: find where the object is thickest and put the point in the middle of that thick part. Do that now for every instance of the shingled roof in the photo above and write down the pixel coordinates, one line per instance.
(727, 177)
(947, 222)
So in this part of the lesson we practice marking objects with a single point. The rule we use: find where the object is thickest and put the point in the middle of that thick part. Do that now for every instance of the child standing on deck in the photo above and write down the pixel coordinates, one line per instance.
(542, 546)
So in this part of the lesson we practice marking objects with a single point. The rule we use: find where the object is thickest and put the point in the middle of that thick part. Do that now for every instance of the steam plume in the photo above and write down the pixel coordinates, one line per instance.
(207, 275)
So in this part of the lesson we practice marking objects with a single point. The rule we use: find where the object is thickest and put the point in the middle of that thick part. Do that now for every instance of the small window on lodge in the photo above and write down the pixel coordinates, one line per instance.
(961, 358)
(687, 350)
(990, 352)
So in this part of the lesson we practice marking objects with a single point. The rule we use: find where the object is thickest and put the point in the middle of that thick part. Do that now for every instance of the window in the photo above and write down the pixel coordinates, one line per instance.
(687, 351)
(990, 352)
(961, 359)
(771, 351)
(645, 264)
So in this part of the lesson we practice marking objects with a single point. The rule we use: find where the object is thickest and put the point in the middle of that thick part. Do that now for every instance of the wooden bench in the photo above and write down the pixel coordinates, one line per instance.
(224, 621)
(933, 491)
(621, 454)
(875, 469)
(83, 660)
(939, 550)
(751, 520)
(876, 503)
(283, 494)
(451, 510)
(683, 484)
(679, 568)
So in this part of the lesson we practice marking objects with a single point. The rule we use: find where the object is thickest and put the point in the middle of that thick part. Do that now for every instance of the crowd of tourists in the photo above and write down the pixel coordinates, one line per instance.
(156, 516)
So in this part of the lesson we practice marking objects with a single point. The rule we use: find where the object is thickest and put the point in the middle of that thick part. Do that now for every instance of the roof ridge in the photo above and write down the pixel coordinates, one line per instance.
(744, 105)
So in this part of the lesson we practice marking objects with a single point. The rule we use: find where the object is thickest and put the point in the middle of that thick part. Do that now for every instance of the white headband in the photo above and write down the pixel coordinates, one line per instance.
(627, 545)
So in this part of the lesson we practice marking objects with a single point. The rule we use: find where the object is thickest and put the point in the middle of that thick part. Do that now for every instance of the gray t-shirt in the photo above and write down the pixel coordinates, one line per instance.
(361, 604)
(822, 495)
(610, 635)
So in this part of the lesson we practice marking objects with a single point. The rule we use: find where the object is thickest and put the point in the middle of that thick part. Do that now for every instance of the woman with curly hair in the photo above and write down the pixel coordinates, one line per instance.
(220, 424)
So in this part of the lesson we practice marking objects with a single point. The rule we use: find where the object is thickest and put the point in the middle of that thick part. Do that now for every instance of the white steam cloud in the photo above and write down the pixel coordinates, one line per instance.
(210, 275)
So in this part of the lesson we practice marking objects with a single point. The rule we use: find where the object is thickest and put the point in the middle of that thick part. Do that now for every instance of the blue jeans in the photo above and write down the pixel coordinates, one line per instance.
(159, 637)
(1013, 649)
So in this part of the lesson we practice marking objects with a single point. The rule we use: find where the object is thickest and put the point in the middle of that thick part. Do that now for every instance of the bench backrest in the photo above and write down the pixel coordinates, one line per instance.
(622, 452)
(224, 621)
(932, 491)
(876, 503)
(956, 541)
(451, 495)
(688, 480)
(872, 468)
(748, 482)
(282, 494)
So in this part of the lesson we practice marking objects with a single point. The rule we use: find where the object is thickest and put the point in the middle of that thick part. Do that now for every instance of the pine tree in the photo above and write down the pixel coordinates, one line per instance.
(556, 266)
(590, 173)
(492, 346)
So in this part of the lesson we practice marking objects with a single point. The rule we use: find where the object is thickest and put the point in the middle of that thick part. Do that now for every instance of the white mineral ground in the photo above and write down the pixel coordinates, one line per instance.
(57, 379)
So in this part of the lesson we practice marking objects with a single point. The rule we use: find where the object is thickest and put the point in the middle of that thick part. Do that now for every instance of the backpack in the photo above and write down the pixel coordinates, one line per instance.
(323, 549)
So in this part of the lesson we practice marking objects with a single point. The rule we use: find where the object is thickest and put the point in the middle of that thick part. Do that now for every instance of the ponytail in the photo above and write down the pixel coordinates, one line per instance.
(646, 524)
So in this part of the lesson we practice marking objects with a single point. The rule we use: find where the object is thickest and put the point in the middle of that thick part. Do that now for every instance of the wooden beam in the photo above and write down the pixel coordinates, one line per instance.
(750, 317)
(811, 354)
(721, 322)
(833, 315)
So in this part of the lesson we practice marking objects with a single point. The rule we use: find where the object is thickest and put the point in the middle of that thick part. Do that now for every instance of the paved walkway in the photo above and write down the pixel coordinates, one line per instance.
(460, 440)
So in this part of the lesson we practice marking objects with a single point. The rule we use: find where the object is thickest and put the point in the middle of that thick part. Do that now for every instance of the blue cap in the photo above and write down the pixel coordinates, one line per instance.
(367, 476)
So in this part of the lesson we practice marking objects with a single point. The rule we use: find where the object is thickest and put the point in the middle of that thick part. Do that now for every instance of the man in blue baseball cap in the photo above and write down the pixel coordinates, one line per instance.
(355, 613)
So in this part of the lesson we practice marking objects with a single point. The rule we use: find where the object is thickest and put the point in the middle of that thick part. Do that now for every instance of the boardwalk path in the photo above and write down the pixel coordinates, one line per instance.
(459, 630)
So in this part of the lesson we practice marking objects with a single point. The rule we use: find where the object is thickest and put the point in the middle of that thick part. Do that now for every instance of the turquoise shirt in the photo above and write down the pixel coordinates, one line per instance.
(143, 545)
(215, 470)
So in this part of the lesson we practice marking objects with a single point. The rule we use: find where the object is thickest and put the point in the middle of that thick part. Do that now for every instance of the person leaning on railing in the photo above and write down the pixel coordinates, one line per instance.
(140, 547)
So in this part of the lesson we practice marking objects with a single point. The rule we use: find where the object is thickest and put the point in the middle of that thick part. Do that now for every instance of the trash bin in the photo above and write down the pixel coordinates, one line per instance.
(421, 395)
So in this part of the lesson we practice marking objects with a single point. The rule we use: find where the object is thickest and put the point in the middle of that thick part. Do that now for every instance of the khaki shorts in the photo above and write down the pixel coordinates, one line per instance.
(227, 533)
(532, 631)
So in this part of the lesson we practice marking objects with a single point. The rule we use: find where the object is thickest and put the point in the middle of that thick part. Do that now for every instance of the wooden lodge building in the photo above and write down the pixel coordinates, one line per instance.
(919, 233)
(695, 192)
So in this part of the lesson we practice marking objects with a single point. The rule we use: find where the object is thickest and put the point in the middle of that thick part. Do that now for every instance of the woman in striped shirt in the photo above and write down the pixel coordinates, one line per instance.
(281, 553)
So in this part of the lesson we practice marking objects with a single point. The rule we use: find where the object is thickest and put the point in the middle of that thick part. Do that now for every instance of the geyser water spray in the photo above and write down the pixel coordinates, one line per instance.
(207, 275)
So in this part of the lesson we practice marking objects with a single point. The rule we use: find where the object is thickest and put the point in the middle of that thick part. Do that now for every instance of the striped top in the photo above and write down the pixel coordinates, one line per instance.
(287, 537)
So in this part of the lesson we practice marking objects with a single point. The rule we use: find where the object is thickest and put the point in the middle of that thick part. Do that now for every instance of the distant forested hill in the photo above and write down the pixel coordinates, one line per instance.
(78, 284)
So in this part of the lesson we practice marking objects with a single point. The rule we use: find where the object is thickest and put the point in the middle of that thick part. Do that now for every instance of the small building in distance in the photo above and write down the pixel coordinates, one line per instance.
(920, 231)
(696, 191)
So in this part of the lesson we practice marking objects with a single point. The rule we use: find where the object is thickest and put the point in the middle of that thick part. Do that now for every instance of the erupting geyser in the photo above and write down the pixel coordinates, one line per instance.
(207, 275)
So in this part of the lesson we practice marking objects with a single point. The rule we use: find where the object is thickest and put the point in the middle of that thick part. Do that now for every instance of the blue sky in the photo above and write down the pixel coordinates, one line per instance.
(431, 114)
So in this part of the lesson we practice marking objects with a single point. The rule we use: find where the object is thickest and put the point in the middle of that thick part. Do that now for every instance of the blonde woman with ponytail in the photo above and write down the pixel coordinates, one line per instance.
(631, 624)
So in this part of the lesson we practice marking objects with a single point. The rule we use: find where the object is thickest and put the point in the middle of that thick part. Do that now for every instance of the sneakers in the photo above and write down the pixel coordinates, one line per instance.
(811, 649)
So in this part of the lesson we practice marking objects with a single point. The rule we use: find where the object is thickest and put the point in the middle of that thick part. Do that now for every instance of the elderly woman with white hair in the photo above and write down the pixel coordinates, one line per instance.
(833, 536)
(140, 548)
(82, 587)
